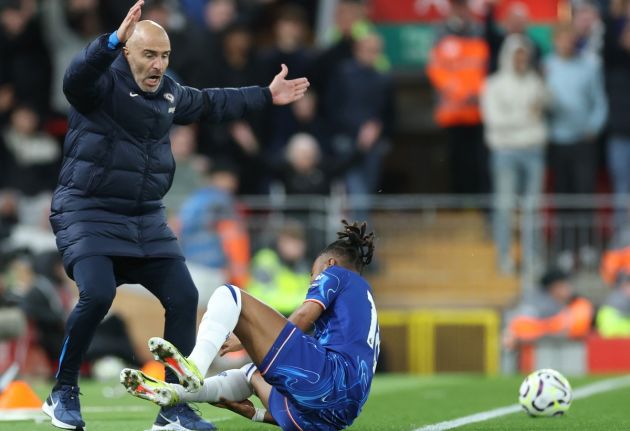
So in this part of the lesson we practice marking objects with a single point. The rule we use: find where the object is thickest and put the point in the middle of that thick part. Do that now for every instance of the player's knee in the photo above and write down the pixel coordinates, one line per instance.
(229, 292)
(185, 299)
(98, 301)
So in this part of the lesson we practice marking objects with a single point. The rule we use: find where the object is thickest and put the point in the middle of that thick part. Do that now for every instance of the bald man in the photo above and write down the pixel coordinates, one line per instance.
(107, 210)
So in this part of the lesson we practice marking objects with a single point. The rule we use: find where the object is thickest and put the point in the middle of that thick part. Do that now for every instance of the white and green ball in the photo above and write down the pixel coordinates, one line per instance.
(545, 392)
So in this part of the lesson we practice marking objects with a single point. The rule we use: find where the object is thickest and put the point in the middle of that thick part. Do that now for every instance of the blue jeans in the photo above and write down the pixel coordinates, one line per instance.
(514, 171)
(619, 168)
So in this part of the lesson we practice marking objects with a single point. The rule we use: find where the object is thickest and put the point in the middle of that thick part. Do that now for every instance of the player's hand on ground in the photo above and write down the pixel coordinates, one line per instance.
(233, 344)
(285, 91)
(244, 408)
(128, 25)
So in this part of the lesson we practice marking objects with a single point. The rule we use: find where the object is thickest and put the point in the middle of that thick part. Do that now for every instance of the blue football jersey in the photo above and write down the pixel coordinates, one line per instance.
(349, 324)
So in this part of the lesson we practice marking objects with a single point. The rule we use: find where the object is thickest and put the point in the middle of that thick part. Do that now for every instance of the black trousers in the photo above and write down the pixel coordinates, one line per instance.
(468, 160)
(574, 171)
(97, 278)
(574, 167)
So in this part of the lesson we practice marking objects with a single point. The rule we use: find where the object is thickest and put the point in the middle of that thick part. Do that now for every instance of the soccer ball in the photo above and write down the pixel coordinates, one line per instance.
(545, 392)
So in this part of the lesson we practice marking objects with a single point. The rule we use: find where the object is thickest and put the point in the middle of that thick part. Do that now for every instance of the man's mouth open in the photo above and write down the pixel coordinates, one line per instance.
(153, 80)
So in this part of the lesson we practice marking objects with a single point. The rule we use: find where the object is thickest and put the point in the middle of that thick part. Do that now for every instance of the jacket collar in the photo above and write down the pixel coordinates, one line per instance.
(122, 65)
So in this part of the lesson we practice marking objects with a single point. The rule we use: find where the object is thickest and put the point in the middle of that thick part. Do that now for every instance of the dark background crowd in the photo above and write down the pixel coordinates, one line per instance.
(514, 115)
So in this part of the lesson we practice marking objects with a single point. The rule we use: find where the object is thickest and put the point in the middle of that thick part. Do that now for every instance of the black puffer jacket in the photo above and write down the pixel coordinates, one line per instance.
(117, 157)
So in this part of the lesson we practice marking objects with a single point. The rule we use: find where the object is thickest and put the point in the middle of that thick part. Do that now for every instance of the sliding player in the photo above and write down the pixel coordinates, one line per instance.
(305, 382)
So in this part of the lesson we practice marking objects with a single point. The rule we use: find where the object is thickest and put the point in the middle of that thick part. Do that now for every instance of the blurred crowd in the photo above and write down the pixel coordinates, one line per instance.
(512, 113)
(336, 135)
(215, 43)
(534, 122)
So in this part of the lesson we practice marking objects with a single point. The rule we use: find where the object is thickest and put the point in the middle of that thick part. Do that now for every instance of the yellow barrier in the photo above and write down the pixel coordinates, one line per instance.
(442, 340)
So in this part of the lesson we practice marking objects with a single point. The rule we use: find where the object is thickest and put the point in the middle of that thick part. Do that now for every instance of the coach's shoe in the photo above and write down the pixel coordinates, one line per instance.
(62, 405)
(187, 372)
(180, 418)
(146, 387)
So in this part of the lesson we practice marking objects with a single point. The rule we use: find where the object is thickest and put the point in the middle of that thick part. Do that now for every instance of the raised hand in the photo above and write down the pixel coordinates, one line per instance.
(285, 91)
(128, 25)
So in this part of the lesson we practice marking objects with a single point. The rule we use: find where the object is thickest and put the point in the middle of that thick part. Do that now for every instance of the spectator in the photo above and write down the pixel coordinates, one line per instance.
(218, 16)
(516, 22)
(190, 167)
(303, 170)
(236, 67)
(617, 69)
(613, 317)
(589, 29)
(350, 24)
(48, 302)
(616, 259)
(68, 27)
(31, 156)
(556, 311)
(9, 213)
(513, 104)
(279, 273)
(578, 112)
(309, 121)
(185, 57)
(12, 319)
(24, 59)
(457, 69)
(361, 105)
(291, 34)
(213, 234)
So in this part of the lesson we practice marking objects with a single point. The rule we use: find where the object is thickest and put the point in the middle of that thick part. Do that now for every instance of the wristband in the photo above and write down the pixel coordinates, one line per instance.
(259, 416)
(113, 42)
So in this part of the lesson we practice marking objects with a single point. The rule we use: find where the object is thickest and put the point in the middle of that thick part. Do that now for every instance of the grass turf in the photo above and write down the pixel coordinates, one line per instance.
(401, 403)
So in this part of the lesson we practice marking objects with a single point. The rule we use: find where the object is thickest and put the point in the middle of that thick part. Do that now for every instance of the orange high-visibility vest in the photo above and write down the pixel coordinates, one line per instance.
(457, 69)
(235, 241)
(574, 321)
(614, 262)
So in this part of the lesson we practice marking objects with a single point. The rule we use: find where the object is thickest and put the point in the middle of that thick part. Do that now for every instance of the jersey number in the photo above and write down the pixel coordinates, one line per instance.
(374, 336)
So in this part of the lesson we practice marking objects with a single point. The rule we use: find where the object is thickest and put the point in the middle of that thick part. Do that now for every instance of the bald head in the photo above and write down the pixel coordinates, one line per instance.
(148, 32)
(147, 51)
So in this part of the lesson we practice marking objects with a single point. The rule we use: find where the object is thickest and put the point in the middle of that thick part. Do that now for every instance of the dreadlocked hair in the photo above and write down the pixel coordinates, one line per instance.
(353, 244)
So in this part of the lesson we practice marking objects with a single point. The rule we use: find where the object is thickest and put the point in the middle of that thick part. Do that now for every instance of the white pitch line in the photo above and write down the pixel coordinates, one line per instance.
(583, 392)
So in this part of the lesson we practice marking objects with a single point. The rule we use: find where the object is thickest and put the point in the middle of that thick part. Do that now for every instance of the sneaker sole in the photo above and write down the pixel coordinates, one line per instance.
(166, 353)
(133, 381)
(48, 410)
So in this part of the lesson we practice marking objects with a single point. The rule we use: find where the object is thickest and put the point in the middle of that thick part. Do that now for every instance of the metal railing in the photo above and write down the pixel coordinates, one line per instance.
(571, 231)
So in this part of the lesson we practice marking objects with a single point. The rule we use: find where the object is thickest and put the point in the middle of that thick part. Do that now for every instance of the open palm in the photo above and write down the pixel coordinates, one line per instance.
(128, 25)
(285, 91)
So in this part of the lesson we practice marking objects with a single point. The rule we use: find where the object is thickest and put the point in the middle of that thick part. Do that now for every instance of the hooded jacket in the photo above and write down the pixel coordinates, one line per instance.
(513, 104)
(117, 162)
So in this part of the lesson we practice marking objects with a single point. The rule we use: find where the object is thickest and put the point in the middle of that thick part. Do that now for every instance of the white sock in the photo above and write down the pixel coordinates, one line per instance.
(249, 370)
(219, 320)
(231, 385)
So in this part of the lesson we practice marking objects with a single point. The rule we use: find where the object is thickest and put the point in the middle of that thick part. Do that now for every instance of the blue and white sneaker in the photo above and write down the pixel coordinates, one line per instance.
(62, 405)
(180, 418)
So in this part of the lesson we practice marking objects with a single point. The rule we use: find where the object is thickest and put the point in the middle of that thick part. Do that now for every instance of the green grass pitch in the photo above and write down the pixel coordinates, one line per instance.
(397, 402)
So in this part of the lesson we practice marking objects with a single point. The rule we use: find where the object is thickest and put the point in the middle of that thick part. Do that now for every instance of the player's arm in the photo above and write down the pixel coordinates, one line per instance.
(303, 318)
(306, 315)
(86, 81)
(246, 409)
(226, 104)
